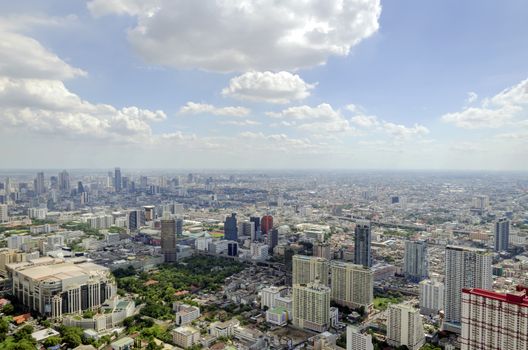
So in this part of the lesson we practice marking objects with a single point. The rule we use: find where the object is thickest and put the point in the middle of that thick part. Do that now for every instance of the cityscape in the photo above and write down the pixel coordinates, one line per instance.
(263, 175)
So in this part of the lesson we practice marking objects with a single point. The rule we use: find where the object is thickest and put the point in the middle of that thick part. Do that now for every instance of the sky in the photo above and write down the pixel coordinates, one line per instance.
(264, 84)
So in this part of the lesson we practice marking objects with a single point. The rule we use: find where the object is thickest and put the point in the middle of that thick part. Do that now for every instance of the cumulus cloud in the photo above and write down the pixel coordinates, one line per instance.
(282, 87)
(245, 122)
(320, 119)
(400, 131)
(365, 121)
(472, 97)
(24, 57)
(204, 108)
(496, 112)
(226, 36)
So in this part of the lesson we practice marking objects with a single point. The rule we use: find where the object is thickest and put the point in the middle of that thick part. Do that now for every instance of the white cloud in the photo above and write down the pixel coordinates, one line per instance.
(472, 97)
(365, 121)
(24, 57)
(244, 35)
(204, 108)
(245, 122)
(496, 112)
(320, 119)
(403, 132)
(282, 87)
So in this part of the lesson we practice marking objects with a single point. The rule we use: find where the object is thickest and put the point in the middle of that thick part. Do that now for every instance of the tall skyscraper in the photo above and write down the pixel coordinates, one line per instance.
(493, 320)
(352, 285)
(230, 228)
(118, 185)
(179, 227)
(465, 268)
(64, 181)
(266, 224)
(415, 262)
(311, 306)
(39, 184)
(136, 219)
(502, 234)
(362, 240)
(168, 239)
(273, 238)
(307, 269)
(256, 220)
(4, 213)
(405, 327)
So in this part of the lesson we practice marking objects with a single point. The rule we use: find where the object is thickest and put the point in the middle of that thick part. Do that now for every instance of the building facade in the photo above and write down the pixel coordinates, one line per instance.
(405, 327)
(311, 306)
(362, 243)
(307, 269)
(431, 297)
(352, 285)
(415, 262)
(502, 234)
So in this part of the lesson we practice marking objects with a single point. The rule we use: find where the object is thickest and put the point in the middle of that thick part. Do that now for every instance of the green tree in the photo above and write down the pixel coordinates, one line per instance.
(8, 309)
(51, 341)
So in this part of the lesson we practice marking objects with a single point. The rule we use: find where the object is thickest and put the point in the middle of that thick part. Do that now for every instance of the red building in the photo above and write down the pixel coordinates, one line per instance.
(266, 224)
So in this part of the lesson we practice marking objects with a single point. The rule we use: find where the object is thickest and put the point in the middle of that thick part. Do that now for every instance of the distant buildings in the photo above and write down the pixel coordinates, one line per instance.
(465, 268)
(502, 234)
(39, 184)
(352, 285)
(404, 327)
(307, 269)
(4, 213)
(168, 239)
(118, 184)
(362, 244)
(311, 306)
(493, 320)
(230, 228)
(431, 297)
(415, 260)
(136, 219)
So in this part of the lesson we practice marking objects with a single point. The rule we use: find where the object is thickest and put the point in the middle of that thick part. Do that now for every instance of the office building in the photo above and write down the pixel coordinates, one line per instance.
(494, 320)
(405, 327)
(307, 269)
(415, 262)
(4, 213)
(136, 219)
(64, 181)
(465, 268)
(362, 242)
(53, 287)
(185, 336)
(273, 238)
(39, 185)
(502, 234)
(311, 306)
(322, 250)
(248, 229)
(431, 297)
(269, 295)
(355, 340)
(232, 248)
(266, 224)
(352, 285)
(230, 228)
(185, 314)
(256, 221)
(118, 185)
(179, 227)
(480, 202)
(150, 212)
(168, 239)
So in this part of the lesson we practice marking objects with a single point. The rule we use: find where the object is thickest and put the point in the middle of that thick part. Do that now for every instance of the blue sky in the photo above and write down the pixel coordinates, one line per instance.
(246, 84)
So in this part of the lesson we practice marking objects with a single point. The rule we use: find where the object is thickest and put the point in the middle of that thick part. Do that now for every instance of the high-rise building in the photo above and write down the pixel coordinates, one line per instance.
(352, 285)
(465, 268)
(118, 185)
(39, 184)
(256, 220)
(266, 224)
(136, 219)
(168, 239)
(179, 227)
(150, 214)
(248, 229)
(362, 241)
(322, 250)
(54, 182)
(405, 327)
(431, 297)
(493, 320)
(415, 262)
(311, 306)
(308, 269)
(355, 340)
(230, 228)
(480, 202)
(502, 234)
(273, 238)
(4, 213)
(64, 181)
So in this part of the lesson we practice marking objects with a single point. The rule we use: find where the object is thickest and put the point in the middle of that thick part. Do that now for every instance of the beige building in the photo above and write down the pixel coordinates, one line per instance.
(306, 269)
(352, 285)
(185, 336)
(311, 306)
(405, 327)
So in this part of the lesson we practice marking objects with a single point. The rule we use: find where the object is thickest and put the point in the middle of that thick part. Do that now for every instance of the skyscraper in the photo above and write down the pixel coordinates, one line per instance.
(256, 220)
(179, 227)
(311, 306)
(362, 239)
(230, 228)
(465, 268)
(352, 285)
(415, 262)
(273, 239)
(266, 224)
(168, 239)
(136, 219)
(405, 327)
(118, 185)
(307, 269)
(39, 183)
(431, 297)
(493, 320)
(502, 234)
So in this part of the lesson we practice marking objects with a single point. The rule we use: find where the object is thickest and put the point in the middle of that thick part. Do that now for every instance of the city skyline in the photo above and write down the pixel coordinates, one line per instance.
(369, 86)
